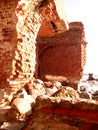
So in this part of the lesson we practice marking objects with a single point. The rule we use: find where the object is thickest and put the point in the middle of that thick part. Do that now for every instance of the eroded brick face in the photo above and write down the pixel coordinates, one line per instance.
(17, 40)
(63, 54)
(20, 21)
(8, 39)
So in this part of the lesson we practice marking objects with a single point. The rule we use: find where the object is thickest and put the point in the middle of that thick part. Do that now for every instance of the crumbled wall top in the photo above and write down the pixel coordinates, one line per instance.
(55, 19)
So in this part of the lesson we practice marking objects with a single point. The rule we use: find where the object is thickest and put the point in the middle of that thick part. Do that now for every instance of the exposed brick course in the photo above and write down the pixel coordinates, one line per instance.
(19, 25)
(63, 54)
(8, 39)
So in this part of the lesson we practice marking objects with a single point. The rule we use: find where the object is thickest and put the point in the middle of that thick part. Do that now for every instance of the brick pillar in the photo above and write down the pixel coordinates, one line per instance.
(19, 25)
(25, 55)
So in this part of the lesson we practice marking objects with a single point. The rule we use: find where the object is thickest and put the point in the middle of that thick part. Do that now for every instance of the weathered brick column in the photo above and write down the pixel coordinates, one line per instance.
(19, 27)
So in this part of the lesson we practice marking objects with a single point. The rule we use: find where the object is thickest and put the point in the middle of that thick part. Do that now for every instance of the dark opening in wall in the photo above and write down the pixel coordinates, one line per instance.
(43, 3)
(54, 26)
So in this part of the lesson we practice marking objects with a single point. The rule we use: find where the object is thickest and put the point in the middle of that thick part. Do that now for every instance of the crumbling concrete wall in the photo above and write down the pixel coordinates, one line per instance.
(63, 54)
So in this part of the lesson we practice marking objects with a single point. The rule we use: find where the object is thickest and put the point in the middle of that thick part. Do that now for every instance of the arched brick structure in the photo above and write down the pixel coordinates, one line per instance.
(19, 24)
(63, 54)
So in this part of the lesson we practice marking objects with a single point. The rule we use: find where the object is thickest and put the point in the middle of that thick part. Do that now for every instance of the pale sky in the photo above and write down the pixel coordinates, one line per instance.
(86, 12)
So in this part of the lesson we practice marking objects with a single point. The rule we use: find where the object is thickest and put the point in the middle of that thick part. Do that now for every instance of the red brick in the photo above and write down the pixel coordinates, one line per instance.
(83, 115)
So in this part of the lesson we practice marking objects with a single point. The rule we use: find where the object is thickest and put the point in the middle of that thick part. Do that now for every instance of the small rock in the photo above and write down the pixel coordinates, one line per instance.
(50, 91)
(85, 95)
(22, 106)
(67, 93)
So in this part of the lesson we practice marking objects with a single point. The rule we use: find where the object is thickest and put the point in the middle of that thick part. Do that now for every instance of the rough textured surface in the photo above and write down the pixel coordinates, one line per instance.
(63, 109)
(63, 54)
(57, 113)
(19, 24)
(8, 39)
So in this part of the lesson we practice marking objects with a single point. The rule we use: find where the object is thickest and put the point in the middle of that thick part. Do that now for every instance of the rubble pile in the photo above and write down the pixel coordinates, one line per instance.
(16, 106)
(38, 104)
(88, 87)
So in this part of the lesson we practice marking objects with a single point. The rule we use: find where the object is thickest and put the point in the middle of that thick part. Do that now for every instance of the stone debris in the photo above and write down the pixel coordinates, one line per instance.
(88, 87)
(52, 87)
(22, 106)
(20, 23)
(44, 116)
(35, 88)
(67, 93)
(26, 102)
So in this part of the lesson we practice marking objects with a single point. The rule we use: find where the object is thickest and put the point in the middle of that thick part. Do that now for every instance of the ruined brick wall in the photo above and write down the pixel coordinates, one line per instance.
(17, 42)
(63, 54)
(27, 28)
(8, 39)
(19, 25)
